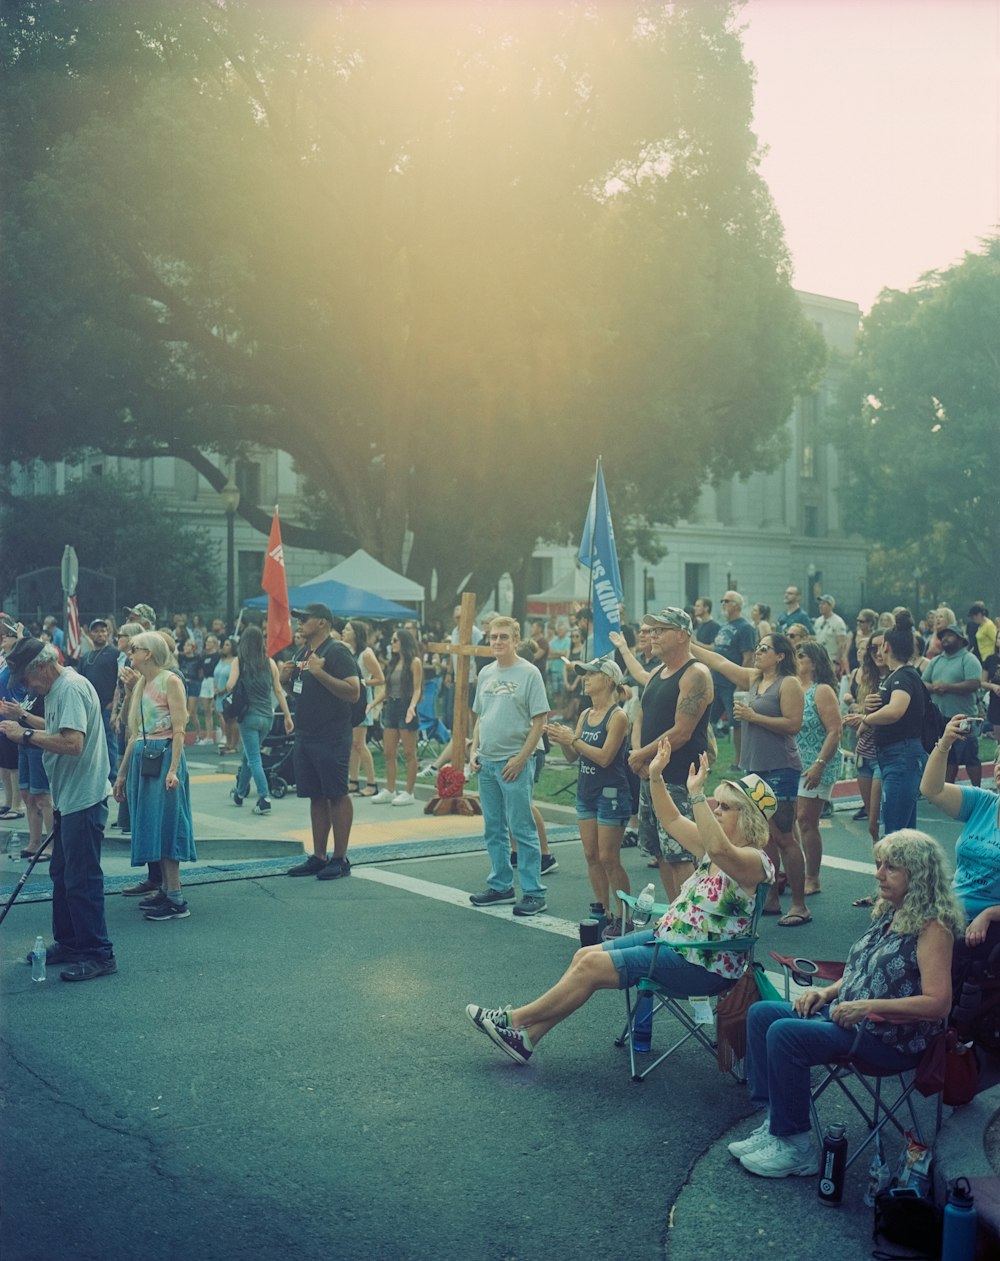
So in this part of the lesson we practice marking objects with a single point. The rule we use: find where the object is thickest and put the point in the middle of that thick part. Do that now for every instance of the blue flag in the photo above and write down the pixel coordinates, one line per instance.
(597, 552)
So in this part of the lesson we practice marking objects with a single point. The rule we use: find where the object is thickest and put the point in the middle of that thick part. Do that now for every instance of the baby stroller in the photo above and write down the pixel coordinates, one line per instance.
(276, 758)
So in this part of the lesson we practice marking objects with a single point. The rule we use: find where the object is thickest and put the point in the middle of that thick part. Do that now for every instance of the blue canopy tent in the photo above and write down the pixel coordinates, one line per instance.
(340, 599)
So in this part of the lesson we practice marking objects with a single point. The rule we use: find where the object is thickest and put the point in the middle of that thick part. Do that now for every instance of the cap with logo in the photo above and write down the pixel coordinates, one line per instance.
(677, 618)
(601, 665)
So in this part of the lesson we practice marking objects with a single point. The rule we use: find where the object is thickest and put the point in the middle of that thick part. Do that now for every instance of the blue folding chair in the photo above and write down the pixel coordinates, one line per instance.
(431, 727)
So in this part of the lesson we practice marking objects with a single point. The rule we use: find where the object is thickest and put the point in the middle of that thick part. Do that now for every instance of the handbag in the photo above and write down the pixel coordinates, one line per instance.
(950, 1067)
(236, 704)
(905, 1218)
(151, 760)
(731, 1019)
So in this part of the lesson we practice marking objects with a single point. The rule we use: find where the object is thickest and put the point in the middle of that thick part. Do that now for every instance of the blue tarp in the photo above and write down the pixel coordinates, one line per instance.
(340, 599)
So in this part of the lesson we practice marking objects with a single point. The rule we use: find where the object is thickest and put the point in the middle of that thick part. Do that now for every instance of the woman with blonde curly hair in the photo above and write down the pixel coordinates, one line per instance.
(904, 958)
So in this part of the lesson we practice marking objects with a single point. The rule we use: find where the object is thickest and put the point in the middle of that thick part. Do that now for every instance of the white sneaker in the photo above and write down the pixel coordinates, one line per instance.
(403, 799)
(780, 1158)
(426, 772)
(381, 798)
(756, 1138)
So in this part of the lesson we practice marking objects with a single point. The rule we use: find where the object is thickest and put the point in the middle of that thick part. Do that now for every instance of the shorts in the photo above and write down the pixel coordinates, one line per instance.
(964, 752)
(31, 777)
(633, 954)
(394, 715)
(654, 839)
(823, 790)
(868, 768)
(8, 754)
(611, 807)
(207, 692)
(321, 766)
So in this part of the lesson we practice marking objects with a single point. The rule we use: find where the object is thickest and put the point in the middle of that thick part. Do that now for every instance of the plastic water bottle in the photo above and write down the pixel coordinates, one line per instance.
(642, 1022)
(833, 1164)
(643, 910)
(38, 960)
(959, 1242)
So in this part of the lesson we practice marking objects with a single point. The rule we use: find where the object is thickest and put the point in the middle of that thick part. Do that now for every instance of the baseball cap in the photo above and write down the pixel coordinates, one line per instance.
(601, 665)
(21, 656)
(313, 610)
(140, 613)
(677, 618)
(98, 621)
(827, 599)
(759, 791)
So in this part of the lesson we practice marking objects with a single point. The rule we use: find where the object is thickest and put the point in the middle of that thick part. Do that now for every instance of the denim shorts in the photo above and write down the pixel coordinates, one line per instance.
(394, 715)
(784, 782)
(31, 777)
(611, 806)
(633, 953)
(868, 768)
(965, 752)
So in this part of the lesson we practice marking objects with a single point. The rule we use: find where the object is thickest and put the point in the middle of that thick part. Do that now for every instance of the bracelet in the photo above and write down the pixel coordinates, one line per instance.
(820, 761)
(697, 799)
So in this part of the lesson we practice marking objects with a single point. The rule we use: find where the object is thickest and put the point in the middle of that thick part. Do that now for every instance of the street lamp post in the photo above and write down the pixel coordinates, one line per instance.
(810, 590)
(230, 494)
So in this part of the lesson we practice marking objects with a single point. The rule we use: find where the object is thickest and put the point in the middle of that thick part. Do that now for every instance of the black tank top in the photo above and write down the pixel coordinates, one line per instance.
(659, 708)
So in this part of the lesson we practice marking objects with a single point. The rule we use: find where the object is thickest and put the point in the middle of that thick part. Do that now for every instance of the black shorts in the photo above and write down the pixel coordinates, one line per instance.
(8, 754)
(321, 765)
(394, 716)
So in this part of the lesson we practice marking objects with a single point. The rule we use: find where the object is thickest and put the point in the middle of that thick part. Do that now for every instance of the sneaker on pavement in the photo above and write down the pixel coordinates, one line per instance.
(263, 806)
(529, 905)
(496, 1015)
(55, 953)
(237, 799)
(141, 890)
(88, 969)
(549, 864)
(382, 797)
(168, 909)
(755, 1139)
(510, 1041)
(781, 1158)
(631, 839)
(310, 867)
(490, 897)
(513, 859)
(334, 869)
(402, 799)
(615, 929)
(426, 772)
(154, 899)
(860, 814)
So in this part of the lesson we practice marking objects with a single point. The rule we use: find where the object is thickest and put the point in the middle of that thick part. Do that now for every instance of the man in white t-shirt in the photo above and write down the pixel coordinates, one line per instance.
(511, 708)
(830, 630)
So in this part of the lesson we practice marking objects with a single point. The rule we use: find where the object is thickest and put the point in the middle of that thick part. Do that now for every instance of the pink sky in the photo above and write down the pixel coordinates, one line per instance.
(883, 122)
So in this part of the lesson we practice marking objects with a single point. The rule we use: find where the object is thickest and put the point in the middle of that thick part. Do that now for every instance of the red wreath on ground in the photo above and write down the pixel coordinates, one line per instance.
(450, 782)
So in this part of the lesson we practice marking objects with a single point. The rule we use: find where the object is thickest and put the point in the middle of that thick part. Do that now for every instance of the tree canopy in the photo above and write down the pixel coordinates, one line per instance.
(443, 254)
(153, 557)
(919, 423)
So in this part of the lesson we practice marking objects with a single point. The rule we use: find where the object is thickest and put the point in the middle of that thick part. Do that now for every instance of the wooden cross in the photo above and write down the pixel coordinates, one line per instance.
(463, 650)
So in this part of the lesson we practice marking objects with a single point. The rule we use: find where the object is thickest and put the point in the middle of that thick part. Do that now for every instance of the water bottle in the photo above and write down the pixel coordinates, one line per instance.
(643, 911)
(642, 1022)
(879, 1173)
(959, 1242)
(833, 1163)
(38, 960)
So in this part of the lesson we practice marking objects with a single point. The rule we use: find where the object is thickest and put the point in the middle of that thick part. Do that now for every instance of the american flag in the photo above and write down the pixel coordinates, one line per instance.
(73, 638)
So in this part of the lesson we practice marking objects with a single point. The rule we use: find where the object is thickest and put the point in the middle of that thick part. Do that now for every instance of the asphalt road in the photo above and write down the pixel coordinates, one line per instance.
(290, 1074)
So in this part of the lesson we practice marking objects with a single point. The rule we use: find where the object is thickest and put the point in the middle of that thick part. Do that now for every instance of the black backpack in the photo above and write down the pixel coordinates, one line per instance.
(934, 722)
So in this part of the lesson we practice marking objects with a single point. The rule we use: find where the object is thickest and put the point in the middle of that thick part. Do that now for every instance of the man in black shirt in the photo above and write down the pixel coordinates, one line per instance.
(101, 668)
(326, 684)
(705, 626)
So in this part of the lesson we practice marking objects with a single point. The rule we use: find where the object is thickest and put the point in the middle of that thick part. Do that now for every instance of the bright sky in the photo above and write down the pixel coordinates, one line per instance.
(883, 122)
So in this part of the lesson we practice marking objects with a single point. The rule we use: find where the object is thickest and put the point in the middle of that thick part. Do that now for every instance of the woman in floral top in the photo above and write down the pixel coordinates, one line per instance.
(892, 999)
(727, 837)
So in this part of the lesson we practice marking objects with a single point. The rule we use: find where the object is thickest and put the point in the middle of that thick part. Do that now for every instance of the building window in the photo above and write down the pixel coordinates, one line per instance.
(808, 465)
(540, 574)
(249, 570)
(97, 470)
(695, 582)
(248, 480)
(810, 521)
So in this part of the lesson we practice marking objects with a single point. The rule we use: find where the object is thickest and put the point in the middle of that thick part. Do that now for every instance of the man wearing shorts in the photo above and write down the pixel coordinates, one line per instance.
(326, 684)
(675, 703)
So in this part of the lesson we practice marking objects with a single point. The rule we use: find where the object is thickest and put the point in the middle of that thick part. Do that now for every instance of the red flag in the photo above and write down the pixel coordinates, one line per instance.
(279, 619)
(73, 638)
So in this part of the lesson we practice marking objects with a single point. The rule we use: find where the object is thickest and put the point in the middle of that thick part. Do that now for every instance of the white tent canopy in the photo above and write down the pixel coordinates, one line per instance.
(368, 574)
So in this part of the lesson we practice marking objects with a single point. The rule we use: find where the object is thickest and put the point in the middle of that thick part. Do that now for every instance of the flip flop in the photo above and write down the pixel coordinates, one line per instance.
(794, 920)
(11, 814)
(30, 853)
(863, 902)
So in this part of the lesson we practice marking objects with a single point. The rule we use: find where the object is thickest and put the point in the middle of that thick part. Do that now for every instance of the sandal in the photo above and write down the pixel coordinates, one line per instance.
(10, 813)
(32, 853)
(354, 788)
(863, 902)
(794, 920)
(369, 790)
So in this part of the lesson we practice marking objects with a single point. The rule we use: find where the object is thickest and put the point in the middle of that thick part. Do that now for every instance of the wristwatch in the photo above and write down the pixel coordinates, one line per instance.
(27, 734)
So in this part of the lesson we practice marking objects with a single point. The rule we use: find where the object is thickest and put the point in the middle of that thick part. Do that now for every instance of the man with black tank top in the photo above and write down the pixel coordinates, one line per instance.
(675, 703)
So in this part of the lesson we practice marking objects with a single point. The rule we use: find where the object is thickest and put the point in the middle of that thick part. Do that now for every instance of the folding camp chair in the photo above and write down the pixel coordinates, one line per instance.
(431, 727)
(807, 971)
(680, 1007)
(877, 1107)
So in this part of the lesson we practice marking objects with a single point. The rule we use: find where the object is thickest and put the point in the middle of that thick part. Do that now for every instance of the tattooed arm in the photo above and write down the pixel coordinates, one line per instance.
(695, 696)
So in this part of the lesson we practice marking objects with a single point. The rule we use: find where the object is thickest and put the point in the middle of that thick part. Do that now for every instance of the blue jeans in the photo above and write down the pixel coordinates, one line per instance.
(253, 728)
(78, 922)
(633, 953)
(112, 740)
(902, 765)
(506, 813)
(723, 702)
(782, 1049)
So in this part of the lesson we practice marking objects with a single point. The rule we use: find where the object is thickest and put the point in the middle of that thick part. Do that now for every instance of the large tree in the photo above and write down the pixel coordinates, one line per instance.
(919, 423)
(443, 254)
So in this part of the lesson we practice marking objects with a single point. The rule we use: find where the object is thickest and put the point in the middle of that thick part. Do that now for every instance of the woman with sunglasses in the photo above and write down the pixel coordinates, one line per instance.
(865, 681)
(403, 688)
(772, 718)
(819, 749)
